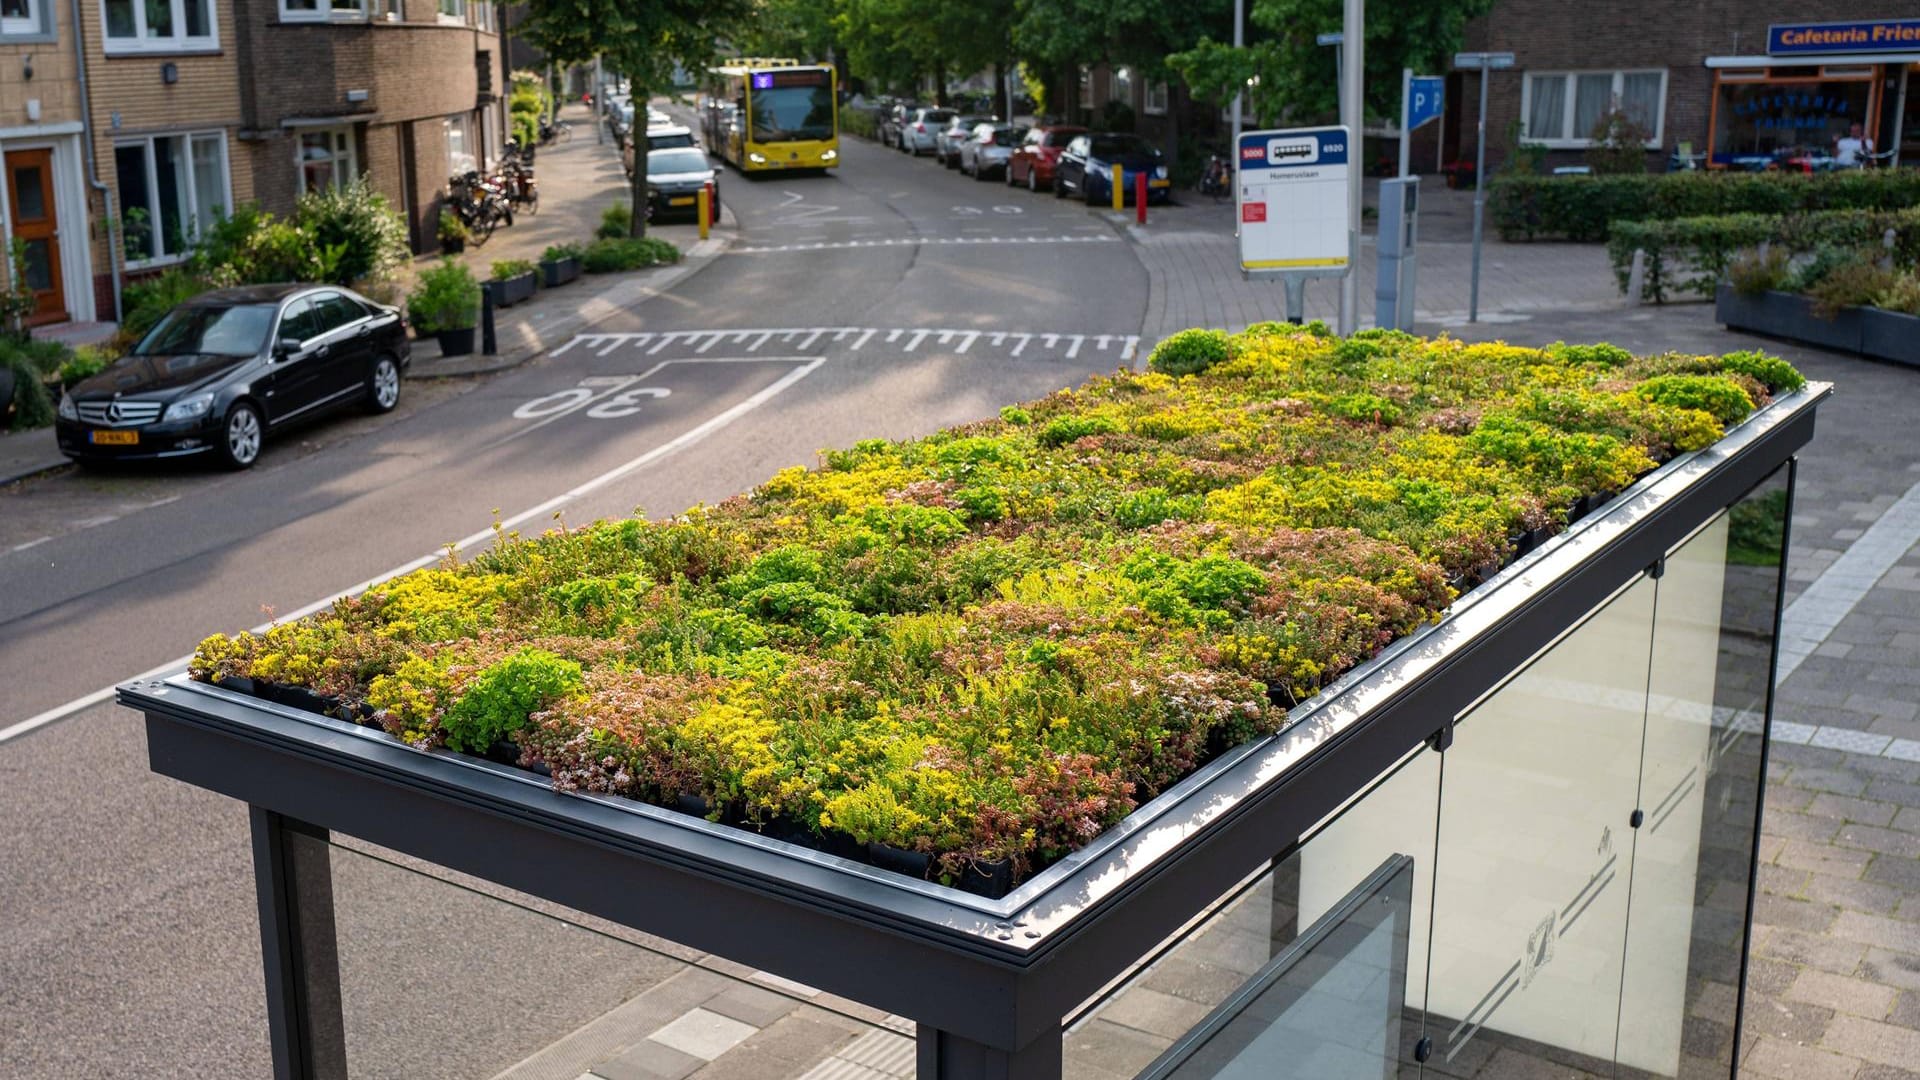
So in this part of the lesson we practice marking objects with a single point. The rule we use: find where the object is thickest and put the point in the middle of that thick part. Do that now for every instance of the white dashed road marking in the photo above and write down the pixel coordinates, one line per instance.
(812, 339)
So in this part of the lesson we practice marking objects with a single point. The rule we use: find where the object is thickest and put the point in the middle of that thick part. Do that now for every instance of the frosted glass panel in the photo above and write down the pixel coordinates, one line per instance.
(1531, 901)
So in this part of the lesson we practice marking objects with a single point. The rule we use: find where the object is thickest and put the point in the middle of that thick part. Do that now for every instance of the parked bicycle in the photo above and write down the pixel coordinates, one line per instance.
(1216, 180)
(479, 205)
(556, 131)
(516, 181)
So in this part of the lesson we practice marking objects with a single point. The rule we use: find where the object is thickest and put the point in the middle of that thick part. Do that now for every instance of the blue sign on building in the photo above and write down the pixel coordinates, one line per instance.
(1426, 99)
(1873, 35)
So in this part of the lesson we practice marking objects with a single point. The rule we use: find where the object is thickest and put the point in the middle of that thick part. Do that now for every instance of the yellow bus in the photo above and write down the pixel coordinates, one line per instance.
(765, 115)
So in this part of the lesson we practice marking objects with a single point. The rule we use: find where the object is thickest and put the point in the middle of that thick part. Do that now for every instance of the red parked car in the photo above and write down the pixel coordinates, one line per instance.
(1033, 160)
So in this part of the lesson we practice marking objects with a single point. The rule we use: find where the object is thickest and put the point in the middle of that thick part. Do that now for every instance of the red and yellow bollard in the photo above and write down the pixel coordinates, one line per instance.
(706, 208)
(1119, 189)
(1140, 196)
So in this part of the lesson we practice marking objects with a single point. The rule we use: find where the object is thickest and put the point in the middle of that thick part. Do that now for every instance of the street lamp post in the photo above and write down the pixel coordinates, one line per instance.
(1483, 62)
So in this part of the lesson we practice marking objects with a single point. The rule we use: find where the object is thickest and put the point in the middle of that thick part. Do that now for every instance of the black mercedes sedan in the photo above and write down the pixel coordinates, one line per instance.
(220, 372)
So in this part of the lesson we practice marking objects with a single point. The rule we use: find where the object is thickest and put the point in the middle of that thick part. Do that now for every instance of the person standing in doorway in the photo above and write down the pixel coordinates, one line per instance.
(1850, 151)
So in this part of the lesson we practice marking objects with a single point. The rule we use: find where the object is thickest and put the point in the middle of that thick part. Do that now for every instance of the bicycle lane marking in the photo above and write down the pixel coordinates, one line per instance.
(699, 433)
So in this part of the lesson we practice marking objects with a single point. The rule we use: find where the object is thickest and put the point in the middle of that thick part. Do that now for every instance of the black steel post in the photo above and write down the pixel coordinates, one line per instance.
(294, 881)
(946, 1056)
(487, 344)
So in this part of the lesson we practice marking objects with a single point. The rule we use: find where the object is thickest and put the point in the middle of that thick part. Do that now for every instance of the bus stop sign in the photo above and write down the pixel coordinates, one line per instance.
(1292, 202)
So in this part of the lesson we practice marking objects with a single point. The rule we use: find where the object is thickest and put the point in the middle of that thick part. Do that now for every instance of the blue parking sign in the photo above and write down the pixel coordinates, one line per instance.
(1426, 99)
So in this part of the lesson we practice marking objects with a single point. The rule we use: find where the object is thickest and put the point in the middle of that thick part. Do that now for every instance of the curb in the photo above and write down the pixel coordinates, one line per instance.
(591, 310)
(37, 470)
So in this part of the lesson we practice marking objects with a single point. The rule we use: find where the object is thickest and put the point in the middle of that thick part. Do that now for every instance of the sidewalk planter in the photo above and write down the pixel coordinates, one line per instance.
(1600, 705)
(455, 342)
(1890, 335)
(512, 290)
(558, 272)
(1880, 334)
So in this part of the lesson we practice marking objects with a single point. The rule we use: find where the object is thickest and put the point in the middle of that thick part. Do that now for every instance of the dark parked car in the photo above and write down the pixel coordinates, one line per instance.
(1033, 160)
(218, 373)
(674, 180)
(1086, 168)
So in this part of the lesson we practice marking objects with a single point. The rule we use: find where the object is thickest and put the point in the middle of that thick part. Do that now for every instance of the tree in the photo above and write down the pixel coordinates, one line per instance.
(1296, 74)
(1062, 35)
(642, 40)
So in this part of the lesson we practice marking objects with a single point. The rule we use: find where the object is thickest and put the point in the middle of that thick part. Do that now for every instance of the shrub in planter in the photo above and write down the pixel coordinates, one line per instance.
(970, 653)
(452, 233)
(511, 281)
(606, 256)
(445, 304)
(560, 263)
(616, 222)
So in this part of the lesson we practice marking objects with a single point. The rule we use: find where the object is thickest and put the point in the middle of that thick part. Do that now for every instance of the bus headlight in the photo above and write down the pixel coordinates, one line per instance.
(829, 155)
(757, 158)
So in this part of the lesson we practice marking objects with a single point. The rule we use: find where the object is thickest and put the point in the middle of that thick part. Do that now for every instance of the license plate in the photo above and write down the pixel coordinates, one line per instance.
(115, 438)
(687, 201)
(1159, 183)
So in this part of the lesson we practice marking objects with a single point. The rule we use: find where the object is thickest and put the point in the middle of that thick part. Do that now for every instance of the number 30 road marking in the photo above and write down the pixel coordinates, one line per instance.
(624, 402)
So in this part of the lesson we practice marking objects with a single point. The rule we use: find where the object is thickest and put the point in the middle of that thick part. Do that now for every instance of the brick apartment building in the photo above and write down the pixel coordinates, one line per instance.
(1708, 76)
(404, 92)
(43, 163)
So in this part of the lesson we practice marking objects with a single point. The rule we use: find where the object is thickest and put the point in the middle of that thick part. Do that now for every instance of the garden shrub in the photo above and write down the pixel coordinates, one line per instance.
(1693, 255)
(146, 301)
(993, 642)
(447, 298)
(1856, 282)
(30, 361)
(1585, 208)
(362, 234)
(616, 222)
(607, 256)
(1188, 352)
(503, 269)
(557, 252)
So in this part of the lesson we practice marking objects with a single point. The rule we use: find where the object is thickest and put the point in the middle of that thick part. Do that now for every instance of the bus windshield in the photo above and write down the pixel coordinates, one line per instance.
(790, 106)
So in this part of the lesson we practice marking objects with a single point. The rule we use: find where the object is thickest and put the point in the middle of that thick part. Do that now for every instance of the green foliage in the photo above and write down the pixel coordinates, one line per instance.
(1619, 145)
(557, 252)
(450, 228)
(608, 256)
(16, 300)
(86, 362)
(616, 222)
(447, 298)
(497, 703)
(1856, 282)
(1065, 429)
(360, 225)
(1761, 269)
(1772, 372)
(1716, 396)
(1585, 208)
(1189, 352)
(503, 269)
(30, 361)
(1693, 255)
(146, 301)
(1902, 294)
(1757, 530)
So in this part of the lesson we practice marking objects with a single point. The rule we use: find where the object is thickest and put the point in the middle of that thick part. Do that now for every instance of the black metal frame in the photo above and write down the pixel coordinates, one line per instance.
(988, 981)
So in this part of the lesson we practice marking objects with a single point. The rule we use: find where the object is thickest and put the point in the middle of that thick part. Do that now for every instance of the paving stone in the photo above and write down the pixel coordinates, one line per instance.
(1906, 1010)
(1872, 1071)
(1793, 1021)
(1769, 977)
(1837, 781)
(1891, 968)
(1784, 797)
(1823, 859)
(1773, 910)
(1901, 873)
(1846, 808)
(1906, 793)
(1149, 1010)
(1782, 1060)
(1874, 1041)
(704, 1034)
(1854, 997)
(1815, 950)
(1894, 842)
(1792, 826)
(752, 1005)
(1113, 1048)
(1895, 934)
(1907, 819)
(649, 1060)
(1858, 895)
(797, 1044)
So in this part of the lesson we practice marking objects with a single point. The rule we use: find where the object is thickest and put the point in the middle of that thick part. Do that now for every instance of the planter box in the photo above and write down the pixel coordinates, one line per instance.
(1787, 315)
(559, 271)
(1890, 335)
(507, 292)
(1567, 741)
(455, 342)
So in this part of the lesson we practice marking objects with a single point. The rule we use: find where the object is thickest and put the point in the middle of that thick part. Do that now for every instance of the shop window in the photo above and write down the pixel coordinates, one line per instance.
(159, 25)
(326, 159)
(1156, 103)
(1757, 122)
(1563, 108)
(20, 16)
(322, 10)
(172, 187)
(1120, 86)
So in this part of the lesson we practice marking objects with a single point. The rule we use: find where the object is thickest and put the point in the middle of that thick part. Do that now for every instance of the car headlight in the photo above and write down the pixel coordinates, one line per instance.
(829, 155)
(189, 408)
(67, 409)
(757, 158)
(1159, 172)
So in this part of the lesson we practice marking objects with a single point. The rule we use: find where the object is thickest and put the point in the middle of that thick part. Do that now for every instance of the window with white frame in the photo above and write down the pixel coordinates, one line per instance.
(453, 11)
(1120, 86)
(172, 188)
(20, 16)
(159, 25)
(1562, 108)
(326, 158)
(482, 11)
(322, 10)
(1156, 103)
(460, 158)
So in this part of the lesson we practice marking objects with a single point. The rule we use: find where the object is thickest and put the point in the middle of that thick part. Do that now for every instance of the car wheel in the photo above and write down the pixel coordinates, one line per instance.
(241, 436)
(1086, 192)
(1059, 187)
(980, 171)
(1033, 180)
(383, 393)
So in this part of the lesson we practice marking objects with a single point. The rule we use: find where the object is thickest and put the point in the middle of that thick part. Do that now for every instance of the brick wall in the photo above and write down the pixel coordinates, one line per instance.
(54, 82)
(1552, 35)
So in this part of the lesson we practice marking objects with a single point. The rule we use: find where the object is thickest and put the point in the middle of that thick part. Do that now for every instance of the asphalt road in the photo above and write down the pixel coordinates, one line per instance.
(888, 300)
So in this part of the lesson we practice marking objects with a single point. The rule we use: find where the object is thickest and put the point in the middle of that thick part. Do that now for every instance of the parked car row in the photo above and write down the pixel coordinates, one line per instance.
(1068, 160)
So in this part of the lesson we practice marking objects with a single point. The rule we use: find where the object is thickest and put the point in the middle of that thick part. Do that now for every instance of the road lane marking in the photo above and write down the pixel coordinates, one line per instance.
(863, 338)
(805, 339)
(674, 445)
(919, 241)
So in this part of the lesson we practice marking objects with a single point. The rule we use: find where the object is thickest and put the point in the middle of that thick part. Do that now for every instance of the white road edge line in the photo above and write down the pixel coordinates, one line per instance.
(680, 442)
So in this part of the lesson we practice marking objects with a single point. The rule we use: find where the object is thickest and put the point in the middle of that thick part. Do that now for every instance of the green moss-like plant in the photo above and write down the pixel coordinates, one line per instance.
(1188, 352)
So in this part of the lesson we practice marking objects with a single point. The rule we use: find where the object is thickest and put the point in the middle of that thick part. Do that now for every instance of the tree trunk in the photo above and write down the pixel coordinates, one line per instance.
(637, 183)
(940, 85)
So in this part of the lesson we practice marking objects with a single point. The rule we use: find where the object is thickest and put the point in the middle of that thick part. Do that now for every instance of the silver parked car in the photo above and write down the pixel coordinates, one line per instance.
(946, 142)
(919, 126)
(984, 154)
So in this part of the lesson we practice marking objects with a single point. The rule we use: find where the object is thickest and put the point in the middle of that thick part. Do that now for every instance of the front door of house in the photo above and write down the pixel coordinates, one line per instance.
(36, 225)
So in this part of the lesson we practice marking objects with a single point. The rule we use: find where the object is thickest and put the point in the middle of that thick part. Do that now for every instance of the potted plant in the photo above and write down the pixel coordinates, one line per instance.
(452, 233)
(513, 280)
(560, 263)
(444, 305)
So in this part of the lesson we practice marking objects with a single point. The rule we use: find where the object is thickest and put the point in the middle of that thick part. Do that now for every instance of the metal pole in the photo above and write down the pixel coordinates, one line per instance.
(1353, 111)
(1406, 116)
(1239, 93)
(1479, 195)
(1899, 115)
(599, 105)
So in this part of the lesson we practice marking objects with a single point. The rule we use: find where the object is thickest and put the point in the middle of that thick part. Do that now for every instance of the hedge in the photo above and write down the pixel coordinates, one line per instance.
(989, 644)
(1582, 208)
(1691, 255)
